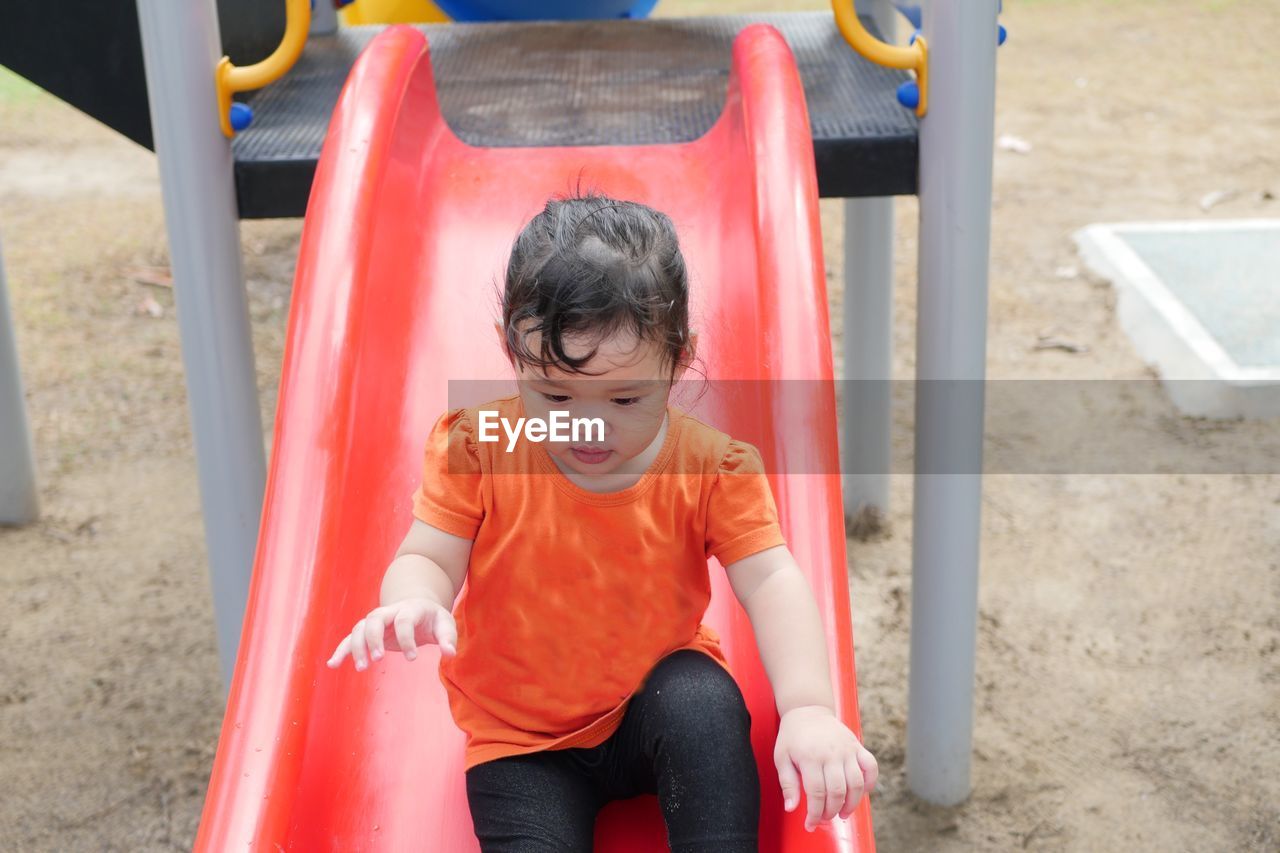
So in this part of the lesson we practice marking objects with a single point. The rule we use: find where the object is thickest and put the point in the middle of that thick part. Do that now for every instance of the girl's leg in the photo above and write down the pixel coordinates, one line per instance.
(539, 803)
(687, 737)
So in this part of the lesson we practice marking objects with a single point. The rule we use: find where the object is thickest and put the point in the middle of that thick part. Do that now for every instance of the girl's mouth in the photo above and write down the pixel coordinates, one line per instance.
(590, 455)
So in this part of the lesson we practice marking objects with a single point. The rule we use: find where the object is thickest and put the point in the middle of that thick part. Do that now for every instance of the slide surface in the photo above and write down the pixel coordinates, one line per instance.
(403, 248)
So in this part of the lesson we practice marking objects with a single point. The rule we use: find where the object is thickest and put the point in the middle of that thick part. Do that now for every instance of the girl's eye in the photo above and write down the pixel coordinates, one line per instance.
(557, 398)
(626, 401)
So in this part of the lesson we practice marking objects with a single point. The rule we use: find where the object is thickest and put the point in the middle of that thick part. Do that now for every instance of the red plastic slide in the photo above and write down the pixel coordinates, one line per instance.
(405, 239)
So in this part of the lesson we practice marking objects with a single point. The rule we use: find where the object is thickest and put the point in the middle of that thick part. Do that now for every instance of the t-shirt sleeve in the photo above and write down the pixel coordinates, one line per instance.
(449, 497)
(741, 517)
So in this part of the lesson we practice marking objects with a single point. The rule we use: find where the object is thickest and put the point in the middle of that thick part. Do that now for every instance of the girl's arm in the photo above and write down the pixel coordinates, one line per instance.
(428, 564)
(815, 751)
(788, 628)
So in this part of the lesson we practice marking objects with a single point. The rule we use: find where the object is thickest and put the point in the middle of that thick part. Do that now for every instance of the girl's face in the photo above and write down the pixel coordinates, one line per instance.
(627, 389)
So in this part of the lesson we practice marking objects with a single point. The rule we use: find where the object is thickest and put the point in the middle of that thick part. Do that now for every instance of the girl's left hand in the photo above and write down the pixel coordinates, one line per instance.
(819, 753)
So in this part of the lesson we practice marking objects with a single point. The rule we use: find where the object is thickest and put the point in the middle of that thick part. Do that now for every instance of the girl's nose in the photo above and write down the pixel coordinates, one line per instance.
(602, 413)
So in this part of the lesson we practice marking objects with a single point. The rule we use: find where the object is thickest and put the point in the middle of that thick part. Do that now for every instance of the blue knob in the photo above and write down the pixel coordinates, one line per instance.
(1003, 34)
(241, 116)
(909, 95)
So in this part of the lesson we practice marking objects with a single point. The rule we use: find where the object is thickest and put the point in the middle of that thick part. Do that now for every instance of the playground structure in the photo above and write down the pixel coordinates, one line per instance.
(202, 205)
(404, 317)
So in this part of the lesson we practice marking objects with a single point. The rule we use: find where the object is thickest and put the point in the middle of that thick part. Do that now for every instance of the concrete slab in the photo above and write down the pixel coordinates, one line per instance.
(1200, 301)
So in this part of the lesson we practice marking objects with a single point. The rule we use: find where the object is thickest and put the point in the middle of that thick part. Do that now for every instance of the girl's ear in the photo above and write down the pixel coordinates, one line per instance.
(502, 339)
(687, 355)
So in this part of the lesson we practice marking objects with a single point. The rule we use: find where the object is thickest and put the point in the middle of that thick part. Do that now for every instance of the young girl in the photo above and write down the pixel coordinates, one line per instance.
(577, 664)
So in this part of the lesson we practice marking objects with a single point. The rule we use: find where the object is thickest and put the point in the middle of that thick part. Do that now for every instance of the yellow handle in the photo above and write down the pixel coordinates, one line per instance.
(914, 57)
(231, 79)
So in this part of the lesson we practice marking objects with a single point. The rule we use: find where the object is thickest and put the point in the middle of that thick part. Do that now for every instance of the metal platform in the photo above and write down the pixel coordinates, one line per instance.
(590, 83)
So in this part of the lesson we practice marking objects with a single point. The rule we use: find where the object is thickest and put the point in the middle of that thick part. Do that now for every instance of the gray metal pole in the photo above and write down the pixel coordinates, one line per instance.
(180, 46)
(868, 353)
(18, 502)
(868, 334)
(324, 18)
(956, 140)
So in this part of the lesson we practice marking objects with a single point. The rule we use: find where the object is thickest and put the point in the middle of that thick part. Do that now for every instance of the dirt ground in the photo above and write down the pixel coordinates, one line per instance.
(1128, 670)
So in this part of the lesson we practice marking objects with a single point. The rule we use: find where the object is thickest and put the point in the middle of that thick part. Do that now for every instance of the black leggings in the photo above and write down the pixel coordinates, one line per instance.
(685, 736)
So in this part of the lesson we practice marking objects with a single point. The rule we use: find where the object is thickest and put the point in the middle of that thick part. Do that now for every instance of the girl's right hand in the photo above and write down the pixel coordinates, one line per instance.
(402, 626)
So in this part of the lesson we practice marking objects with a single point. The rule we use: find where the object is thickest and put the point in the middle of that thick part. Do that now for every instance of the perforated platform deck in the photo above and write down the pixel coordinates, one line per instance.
(590, 83)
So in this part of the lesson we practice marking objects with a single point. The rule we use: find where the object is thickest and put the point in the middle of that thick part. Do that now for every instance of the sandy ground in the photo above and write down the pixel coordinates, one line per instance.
(1128, 671)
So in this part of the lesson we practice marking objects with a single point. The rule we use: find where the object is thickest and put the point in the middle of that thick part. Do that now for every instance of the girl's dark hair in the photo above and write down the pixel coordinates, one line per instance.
(590, 266)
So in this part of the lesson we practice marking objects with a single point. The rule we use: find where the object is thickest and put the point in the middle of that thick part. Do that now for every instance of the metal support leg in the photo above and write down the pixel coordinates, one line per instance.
(18, 503)
(324, 18)
(868, 353)
(956, 140)
(180, 46)
(868, 335)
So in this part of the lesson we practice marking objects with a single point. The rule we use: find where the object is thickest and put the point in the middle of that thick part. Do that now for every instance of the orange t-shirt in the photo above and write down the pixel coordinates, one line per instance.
(573, 596)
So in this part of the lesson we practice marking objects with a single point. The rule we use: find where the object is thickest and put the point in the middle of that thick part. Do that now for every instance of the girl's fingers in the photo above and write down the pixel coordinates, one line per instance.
(374, 627)
(340, 653)
(870, 768)
(445, 631)
(837, 787)
(789, 781)
(368, 639)
(853, 796)
(358, 653)
(815, 792)
(404, 634)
